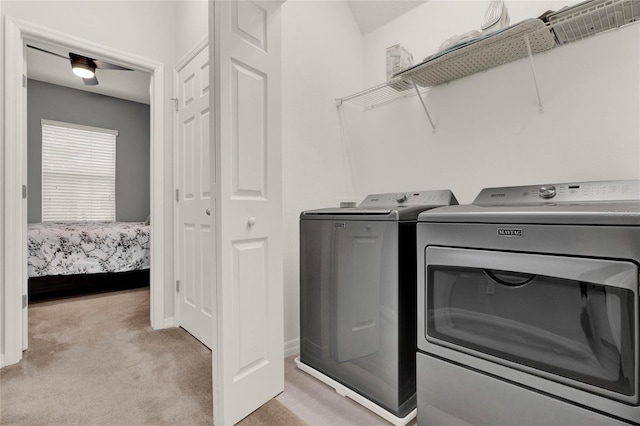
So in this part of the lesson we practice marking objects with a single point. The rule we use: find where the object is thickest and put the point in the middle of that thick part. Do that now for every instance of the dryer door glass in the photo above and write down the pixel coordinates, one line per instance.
(574, 320)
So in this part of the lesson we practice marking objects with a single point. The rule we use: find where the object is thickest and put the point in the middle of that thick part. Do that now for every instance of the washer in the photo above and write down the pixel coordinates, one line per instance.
(357, 298)
(528, 307)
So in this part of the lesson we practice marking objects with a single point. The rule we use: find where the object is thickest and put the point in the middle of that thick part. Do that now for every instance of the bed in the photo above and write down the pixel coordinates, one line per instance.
(71, 258)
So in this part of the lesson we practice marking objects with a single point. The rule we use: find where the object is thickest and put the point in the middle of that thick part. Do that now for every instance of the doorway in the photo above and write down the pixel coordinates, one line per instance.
(88, 161)
(18, 34)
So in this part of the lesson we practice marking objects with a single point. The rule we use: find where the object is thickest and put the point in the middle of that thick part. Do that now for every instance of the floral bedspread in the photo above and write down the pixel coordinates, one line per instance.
(87, 248)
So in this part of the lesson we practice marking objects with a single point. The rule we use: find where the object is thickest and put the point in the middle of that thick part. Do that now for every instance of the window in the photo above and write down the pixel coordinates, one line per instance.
(78, 172)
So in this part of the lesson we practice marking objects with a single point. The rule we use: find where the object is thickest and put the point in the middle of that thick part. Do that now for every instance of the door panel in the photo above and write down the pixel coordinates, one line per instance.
(249, 137)
(205, 150)
(250, 305)
(207, 246)
(249, 20)
(189, 261)
(195, 236)
(248, 368)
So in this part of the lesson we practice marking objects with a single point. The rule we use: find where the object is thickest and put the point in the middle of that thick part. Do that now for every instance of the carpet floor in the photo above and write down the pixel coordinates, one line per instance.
(94, 360)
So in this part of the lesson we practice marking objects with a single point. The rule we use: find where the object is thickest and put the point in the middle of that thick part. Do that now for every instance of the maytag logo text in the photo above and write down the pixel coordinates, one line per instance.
(509, 232)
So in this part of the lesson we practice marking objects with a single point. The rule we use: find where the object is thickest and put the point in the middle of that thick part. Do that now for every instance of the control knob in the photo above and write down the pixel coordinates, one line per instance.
(547, 191)
(401, 198)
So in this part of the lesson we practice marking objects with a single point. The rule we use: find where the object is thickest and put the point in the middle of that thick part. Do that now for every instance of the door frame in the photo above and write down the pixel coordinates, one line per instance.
(17, 33)
(188, 57)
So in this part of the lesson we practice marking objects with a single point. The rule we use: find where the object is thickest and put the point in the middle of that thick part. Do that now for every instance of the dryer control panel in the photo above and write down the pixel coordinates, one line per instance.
(577, 192)
(416, 198)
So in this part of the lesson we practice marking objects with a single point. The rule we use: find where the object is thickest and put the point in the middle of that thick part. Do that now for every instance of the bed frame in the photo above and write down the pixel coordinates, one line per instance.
(56, 286)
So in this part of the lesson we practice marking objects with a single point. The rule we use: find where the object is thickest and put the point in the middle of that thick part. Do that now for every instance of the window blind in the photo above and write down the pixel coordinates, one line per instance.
(78, 172)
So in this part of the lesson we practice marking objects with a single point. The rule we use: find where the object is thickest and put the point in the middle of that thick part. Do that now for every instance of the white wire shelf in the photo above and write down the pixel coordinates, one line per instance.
(516, 42)
(587, 19)
(382, 94)
(499, 48)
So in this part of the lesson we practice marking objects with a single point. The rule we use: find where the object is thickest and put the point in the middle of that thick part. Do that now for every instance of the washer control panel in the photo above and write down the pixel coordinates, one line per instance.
(578, 192)
(415, 198)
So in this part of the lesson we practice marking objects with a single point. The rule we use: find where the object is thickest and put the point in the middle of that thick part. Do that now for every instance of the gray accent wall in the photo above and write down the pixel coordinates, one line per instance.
(130, 119)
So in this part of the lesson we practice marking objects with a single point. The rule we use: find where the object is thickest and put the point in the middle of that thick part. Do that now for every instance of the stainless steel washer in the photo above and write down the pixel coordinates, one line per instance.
(528, 305)
(357, 295)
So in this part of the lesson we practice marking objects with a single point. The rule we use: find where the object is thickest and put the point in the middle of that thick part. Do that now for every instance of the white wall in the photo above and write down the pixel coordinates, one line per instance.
(192, 25)
(143, 28)
(489, 132)
(322, 60)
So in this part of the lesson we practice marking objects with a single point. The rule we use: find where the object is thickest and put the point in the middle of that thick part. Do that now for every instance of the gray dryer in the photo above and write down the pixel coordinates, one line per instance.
(528, 307)
(358, 294)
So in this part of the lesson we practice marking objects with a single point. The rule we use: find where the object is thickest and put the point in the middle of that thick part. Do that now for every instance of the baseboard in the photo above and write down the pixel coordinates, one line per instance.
(169, 322)
(291, 347)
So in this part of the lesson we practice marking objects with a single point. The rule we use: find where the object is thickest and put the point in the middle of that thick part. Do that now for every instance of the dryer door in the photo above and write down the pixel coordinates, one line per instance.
(572, 320)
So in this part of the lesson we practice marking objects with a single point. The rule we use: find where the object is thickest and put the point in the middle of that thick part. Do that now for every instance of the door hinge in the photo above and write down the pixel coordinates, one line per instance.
(24, 301)
(24, 191)
(175, 103)
(177, 195)
(177, 285)
(24, 81)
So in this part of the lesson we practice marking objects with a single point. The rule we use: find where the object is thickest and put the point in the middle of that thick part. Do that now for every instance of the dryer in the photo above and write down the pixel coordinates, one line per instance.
(357, 298)
(528, 304)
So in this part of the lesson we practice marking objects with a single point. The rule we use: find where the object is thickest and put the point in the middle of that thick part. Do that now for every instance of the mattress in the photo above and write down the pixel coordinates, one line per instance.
(56, 248)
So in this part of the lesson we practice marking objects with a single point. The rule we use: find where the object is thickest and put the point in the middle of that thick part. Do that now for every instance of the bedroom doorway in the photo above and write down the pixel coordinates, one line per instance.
(88, 179)
(18, 35)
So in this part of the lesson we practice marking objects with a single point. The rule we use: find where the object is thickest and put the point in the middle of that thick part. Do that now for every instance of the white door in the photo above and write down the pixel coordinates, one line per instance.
(248, 353)
(194, 230)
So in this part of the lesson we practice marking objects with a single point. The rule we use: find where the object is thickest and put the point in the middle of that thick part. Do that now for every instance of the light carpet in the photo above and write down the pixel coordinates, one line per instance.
(94, 360)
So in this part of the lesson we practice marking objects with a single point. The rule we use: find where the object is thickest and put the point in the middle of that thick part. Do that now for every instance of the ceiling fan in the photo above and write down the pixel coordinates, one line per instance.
(85, 67)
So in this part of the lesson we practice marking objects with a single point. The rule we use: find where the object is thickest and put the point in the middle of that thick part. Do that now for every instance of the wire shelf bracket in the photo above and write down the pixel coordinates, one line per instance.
(533, 72)
(424, 105)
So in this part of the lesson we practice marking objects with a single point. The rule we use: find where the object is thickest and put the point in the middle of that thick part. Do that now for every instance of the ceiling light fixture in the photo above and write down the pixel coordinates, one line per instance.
(83, 67)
